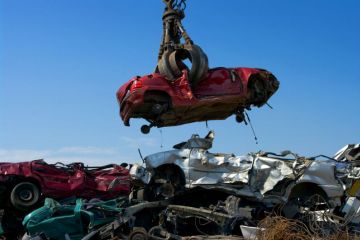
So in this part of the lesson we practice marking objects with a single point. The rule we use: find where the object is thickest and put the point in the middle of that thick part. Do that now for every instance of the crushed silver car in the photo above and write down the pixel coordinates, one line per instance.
(263, 177)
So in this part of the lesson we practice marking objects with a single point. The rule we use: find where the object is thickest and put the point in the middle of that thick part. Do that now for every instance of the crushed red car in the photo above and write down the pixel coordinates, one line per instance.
(24, 184)
(223, 92)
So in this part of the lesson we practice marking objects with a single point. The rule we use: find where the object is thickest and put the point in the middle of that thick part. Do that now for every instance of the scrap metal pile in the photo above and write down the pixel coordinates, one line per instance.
(191, 193)
(25, 185)
(188, 192)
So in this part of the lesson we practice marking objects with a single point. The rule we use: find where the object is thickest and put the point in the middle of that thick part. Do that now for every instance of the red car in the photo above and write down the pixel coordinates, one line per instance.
(26, 183)
(223, 92)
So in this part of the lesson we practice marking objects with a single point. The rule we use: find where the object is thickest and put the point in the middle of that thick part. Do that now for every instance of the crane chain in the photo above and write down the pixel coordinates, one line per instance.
(172, 52)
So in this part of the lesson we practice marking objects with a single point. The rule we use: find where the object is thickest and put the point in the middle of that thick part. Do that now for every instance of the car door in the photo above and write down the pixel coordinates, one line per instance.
(219, 82)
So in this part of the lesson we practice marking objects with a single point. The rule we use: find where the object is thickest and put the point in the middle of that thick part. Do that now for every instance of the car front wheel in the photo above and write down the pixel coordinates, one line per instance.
(25, 195)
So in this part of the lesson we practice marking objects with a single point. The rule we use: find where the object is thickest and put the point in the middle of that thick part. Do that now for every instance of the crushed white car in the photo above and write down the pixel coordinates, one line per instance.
(263, 177)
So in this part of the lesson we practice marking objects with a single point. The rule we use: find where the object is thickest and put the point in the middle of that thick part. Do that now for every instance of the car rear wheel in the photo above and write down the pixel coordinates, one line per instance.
(159, 104)
(158, 108)
(24, 195)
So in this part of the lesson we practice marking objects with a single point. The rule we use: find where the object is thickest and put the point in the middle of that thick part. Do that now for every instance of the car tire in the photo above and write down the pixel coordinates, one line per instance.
(138, 233)
(167, 183)
(296, 207)
(240, 118)
(157, 109)
(25, 195)
(145, 129)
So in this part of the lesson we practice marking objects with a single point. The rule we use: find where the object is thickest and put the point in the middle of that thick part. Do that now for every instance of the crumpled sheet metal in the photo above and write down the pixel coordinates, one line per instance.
(177, 157)
(348, 158)
(196, 142)
(232, 169)
(260, 172)
(253, 175)
(351, 210)
(323, 173)
(353, 172)
(350, 152)
(348, 168)
(267, 172)
(264, 172)
(138, 172)
(64, 180)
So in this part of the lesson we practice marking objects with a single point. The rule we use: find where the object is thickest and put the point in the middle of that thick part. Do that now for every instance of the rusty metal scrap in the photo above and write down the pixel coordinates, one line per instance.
(219, 218)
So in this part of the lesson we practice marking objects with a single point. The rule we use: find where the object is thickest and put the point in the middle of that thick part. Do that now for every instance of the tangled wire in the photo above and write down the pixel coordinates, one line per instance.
(280, 228)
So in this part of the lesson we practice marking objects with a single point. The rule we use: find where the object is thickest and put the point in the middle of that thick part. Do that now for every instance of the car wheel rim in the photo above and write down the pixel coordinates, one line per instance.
(167, 190)
(26, 195)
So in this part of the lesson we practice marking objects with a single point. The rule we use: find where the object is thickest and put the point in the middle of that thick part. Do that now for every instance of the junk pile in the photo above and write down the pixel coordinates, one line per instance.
(25, 185)
(191, 193)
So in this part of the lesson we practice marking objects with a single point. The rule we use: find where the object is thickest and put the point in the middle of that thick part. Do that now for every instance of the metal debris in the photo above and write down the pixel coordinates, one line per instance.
(220, 196)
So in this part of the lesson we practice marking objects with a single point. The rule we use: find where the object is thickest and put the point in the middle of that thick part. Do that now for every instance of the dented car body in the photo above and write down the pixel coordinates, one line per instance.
(223, 92)
(263, 177)
(25, 183)
(74, 219)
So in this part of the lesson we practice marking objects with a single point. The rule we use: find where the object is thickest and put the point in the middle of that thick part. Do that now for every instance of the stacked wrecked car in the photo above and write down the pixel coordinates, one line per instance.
(25, 185)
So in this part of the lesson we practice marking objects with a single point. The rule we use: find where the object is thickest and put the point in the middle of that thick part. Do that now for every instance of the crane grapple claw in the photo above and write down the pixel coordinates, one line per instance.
(173, 53)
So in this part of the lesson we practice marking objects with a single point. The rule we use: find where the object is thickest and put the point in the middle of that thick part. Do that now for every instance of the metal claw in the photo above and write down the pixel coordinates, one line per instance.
(172, 53)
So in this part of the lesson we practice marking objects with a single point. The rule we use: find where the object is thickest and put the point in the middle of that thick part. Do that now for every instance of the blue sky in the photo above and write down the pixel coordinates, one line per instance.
(62, 62)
